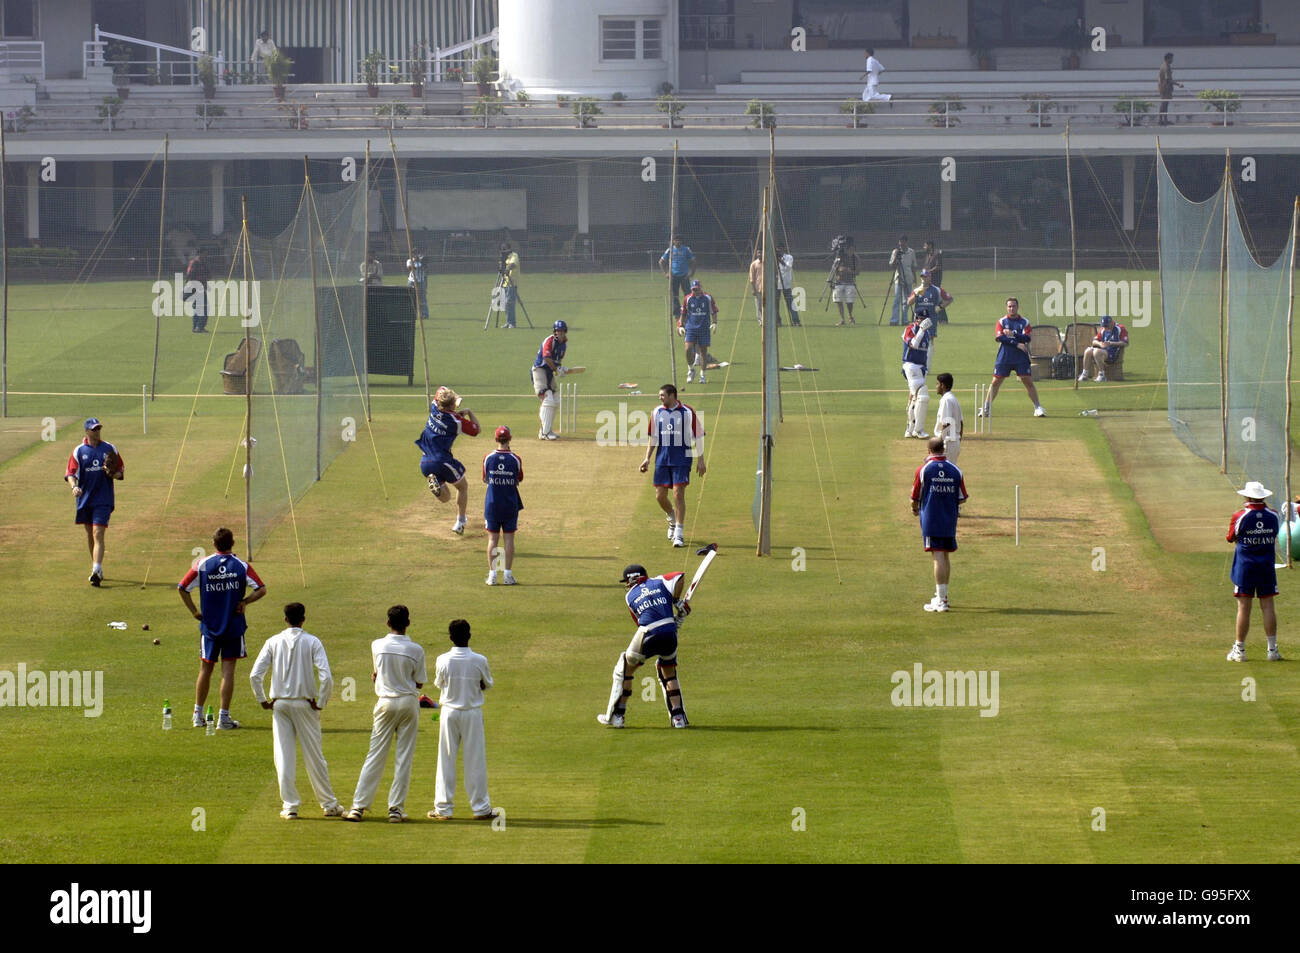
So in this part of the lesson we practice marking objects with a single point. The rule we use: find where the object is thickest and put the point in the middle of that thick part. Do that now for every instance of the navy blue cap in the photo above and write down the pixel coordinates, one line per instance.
(92, 423)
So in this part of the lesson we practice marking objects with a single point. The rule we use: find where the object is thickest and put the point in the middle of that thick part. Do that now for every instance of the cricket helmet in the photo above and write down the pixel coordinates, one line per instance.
(634, 574)
(559, 326)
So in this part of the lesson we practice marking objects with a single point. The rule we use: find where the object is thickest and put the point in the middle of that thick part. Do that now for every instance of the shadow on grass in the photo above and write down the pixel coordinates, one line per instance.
(574, 823)
(755, 729)
(1018, 610)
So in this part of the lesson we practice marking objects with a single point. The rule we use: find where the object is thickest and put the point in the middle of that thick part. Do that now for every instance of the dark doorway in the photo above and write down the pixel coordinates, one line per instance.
(120, 16)
(308, 63)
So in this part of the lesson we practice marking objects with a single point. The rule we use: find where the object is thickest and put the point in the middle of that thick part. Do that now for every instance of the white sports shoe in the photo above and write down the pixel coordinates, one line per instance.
(435, 485)
(458, 527)
(491, 578)
(551, 435)
(984, 411)
(1238, 654)
(1274, 655)
(1083, 377)
(679, 721)
(1039, 412)
(541, 435)
(678, 542)
(1100, 378)
(909, 432)
(672, 528)
(921, 435)
(509, 579)
(703, 380)
(615, 721)
(936, 605)
(690, 374)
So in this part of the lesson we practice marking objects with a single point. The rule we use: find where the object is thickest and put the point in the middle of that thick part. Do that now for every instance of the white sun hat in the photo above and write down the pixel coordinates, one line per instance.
(1254, 490)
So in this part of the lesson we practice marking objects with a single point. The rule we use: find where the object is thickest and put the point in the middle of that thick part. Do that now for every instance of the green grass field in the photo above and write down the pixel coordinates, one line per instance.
(1113, 689)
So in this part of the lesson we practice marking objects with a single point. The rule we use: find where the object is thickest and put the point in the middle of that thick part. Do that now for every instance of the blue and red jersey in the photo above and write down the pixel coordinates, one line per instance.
(1254, 529)
(697, 312)
(221, 579)
(1116, 332)
(503, 471)
(86, 463)
(927, 301)
(1009, 332)
(940, 489)
(917, 344)
(441, 431)
(652, 601)
(552, 348)
(676, 433)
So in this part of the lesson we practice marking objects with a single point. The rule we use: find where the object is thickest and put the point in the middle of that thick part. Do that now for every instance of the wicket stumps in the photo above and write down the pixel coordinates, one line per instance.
(982, 424)
(568, 407)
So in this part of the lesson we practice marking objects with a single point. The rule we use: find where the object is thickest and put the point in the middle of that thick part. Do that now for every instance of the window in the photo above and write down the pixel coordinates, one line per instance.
(628, 39)
(1023, 22)
(707, 25)
(853, 23)
(19, 18)
(1174, 22)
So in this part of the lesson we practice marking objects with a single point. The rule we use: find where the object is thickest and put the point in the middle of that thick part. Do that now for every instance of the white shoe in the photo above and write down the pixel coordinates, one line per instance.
(703, 380)
(615, 721)
(985, 411)
(679, 721)
(1100, 378)
(1238, 654)
(491, 579)
(690, 375)
(1039, 412)
(678, 542)
(936, 605)
(335, 811)
(1274, 655)
(672, 529)
(551, 435)
(435, 485)
(1083, 377)
(541, 435)
(909, 432)
(458, 527)
(509, 579)
(921, 435)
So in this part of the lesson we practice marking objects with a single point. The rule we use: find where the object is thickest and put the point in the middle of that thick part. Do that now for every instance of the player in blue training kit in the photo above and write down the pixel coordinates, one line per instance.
(548, 365)
(698, 320)
(681, 268)
(1254, 529)
(1013, 333)
(223, 581)
(503, 471)
(655, 606)
(446, 423)
(918, 339)
(675, 436)
(937, 491)
(91, 470)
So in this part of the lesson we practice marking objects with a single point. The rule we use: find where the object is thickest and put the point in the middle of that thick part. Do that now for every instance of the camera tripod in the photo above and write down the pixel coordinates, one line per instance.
(828, 292)
(498, 296)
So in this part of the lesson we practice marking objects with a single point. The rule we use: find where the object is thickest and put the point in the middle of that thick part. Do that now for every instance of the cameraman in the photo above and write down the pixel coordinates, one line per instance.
(844, 276)
(508, 269)
(903, 261)
(418, 280)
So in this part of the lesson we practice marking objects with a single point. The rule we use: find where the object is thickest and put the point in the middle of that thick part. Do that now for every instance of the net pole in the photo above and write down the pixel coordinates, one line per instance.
(4, 280)
(157, 319)
(248, 384)
(1223, 317)
(365, 267)
(765, 494)
(410, 256)
(672, 230)
(315, 310)
(1286, 430)
(1069, 191)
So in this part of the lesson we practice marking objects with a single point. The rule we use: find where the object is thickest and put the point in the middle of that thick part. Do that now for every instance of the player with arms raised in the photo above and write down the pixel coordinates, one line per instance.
(446, 422)
(937, 491)
(1254, 529)
(676, 435)
(1012, 332)
(918, 338)
(654, 605)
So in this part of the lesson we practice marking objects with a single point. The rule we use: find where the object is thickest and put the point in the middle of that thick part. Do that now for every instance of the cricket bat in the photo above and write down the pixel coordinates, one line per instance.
(574, 370)
(708, 552)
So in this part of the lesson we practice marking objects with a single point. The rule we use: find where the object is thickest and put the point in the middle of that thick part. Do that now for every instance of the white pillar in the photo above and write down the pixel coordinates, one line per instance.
(101, 215)
(33, 201)
(1127, 163)
(217, 188)
(584, 198)
(945, 206)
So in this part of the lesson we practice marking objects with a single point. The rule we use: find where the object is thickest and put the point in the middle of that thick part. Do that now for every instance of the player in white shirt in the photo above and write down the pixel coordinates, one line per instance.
(398, 676)
(948, 422)
(463, 677)
(872, 76)
(296, 660)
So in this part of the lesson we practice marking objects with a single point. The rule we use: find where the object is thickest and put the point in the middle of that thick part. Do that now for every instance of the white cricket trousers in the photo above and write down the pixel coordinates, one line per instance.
(952, 448)
(393, 716)
(461, 728)
(294, 721)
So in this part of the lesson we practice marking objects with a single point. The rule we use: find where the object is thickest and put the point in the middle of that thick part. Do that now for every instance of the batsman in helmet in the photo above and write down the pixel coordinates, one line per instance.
(656, 605)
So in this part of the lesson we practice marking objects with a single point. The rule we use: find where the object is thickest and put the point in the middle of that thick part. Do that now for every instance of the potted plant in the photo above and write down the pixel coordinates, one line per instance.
(487, 107)
(207, 69)
(370, 72)
(618, 99)
(119, 57)
(763, 115)
(942, 110)
(1132, 110)
(857, 108)
(208, 113)
(672, 106)
(277, 69)
(109, 109)
(455, 74)
(522, 97)
(1224, 101)
(984, 58)
(585, 110)
(1040, 106)
(419, 64)
(392, 111)
(485, 68)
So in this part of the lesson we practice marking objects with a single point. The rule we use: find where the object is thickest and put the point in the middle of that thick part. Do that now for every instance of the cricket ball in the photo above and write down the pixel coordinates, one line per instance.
(157, 642)
(145, 627)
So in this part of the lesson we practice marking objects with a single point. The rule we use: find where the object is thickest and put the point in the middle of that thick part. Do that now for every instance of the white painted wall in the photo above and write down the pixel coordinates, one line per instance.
(553, 47)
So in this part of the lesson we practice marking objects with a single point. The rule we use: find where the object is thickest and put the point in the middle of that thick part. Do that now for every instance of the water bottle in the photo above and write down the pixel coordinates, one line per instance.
(210, 722)
(1088, 413)
(167, 715)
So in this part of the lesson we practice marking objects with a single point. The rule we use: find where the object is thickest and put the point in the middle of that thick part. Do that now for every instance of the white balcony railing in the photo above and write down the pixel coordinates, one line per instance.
(22, 60)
